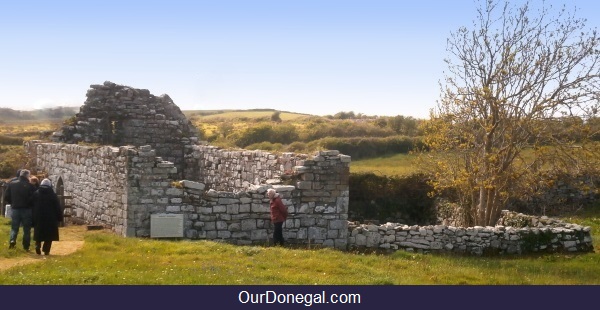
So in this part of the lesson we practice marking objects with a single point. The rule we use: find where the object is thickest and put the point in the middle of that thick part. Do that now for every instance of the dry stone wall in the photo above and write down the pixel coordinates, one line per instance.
(541, 235)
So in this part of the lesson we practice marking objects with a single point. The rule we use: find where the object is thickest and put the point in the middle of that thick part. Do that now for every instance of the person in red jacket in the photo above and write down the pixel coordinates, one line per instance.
(279, 214)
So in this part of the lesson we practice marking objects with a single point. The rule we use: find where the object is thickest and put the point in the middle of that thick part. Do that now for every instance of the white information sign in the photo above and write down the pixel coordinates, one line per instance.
(166, 225)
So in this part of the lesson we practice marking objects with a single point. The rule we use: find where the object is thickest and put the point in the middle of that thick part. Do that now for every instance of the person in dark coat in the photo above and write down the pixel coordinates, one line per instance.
(18, 195)
(46, 217)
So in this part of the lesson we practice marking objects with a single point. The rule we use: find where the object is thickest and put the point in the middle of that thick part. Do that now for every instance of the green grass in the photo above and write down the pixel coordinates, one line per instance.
(398, 164)
(110, 259)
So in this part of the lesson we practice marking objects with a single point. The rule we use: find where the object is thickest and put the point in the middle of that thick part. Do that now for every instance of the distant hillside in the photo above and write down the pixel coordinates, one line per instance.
(241, 114)
(8, 115)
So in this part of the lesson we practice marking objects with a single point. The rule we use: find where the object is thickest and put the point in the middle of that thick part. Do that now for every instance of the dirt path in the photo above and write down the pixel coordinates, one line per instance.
(71, 241)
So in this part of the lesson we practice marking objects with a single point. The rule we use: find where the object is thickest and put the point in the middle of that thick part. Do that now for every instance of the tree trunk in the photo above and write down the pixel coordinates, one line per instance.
(488, 208)
(482, 207)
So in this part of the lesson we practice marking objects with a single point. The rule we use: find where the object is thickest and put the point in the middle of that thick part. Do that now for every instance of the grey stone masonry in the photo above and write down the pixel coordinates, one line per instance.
(546, 235)
(96, 178)
(122, 187)
(121, 115)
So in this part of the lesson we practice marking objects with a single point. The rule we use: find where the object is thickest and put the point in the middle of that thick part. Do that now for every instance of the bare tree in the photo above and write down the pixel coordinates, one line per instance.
(512, 80)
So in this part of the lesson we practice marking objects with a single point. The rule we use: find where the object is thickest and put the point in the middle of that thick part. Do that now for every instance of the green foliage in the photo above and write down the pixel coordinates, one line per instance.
(402, 125)
(266, 132)
(276, 116)
(365, 147)
(402, 199)
(265, 146)
(344, 115)
(516, 220)
(8, 140)
(297, 147)
(315, 129)
(12, 158)
(531, 241)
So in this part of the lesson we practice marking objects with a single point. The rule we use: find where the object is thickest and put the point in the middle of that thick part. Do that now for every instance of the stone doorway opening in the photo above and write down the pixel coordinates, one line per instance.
(65, 201)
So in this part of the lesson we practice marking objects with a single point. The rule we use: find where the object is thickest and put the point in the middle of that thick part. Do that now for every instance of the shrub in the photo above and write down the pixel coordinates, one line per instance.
(266, 132)
(8, 140)
(364, 147)
(265, 146)
(402, 199)
(297, 147)
(343, 129)
(12, 159)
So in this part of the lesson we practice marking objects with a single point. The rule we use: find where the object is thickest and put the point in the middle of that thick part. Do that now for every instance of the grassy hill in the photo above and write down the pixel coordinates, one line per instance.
(252, 114)
(9, 115)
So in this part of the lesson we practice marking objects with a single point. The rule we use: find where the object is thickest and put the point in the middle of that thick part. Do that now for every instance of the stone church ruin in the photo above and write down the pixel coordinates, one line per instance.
(132, 162)
(129, 155)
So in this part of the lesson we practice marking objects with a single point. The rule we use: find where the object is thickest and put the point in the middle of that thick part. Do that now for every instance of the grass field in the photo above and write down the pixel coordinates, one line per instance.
(399, 164)
(28, 127)
(208, 115)
(109, 259)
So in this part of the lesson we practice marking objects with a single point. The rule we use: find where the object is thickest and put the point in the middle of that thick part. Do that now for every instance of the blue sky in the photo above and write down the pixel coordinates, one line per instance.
(318, 57)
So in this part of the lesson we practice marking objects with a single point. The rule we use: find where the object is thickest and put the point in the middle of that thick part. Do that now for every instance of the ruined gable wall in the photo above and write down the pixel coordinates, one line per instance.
(121, 115)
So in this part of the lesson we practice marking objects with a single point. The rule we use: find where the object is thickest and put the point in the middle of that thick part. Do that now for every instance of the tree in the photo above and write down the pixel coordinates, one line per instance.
(511, 81)
(276, 117)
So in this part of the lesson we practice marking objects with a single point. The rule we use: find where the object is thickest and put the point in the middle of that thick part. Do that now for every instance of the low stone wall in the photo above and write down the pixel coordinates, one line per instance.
(547, 235)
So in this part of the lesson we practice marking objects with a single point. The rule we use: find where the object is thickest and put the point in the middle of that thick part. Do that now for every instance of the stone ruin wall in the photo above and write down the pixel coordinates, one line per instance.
(121, 115)
(96, 178)
(122, 187)
(231, 170)
(232, 187)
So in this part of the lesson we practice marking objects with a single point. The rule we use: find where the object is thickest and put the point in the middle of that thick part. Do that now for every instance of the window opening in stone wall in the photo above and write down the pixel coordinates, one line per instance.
(113, 128)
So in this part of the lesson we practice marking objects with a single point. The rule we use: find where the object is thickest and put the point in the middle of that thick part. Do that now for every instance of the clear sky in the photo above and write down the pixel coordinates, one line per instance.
(375, 57)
